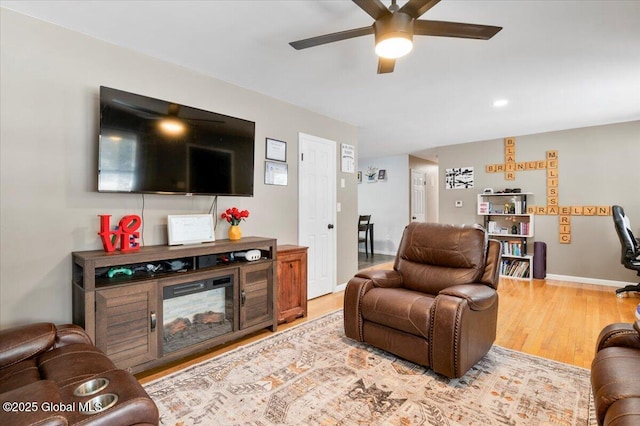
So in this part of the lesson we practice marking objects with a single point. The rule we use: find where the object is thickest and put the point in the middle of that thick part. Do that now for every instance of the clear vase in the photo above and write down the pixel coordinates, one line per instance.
(235, 233)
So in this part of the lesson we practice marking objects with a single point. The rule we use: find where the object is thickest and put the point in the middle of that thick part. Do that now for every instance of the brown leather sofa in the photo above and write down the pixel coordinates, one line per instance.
(46, 374)
(438, 307)
(615, 375)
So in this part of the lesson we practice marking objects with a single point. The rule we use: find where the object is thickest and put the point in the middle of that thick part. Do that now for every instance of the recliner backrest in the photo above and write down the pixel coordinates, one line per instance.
(623, 229)
(432, 256)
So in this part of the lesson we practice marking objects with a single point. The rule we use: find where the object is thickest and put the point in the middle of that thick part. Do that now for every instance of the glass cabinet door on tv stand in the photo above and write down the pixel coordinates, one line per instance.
(505, 219)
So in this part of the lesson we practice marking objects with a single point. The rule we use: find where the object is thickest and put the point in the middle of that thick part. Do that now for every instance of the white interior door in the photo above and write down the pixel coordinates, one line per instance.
(317, 211)
(418, 198)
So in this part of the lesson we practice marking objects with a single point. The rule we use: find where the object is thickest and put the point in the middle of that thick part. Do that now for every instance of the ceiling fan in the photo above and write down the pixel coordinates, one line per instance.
(394, 28)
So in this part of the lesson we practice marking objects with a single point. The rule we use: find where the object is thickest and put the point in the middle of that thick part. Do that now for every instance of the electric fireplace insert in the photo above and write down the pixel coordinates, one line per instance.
(196, 311)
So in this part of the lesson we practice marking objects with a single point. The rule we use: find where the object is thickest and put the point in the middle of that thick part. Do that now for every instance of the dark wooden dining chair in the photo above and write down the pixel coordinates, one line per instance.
(363, 232)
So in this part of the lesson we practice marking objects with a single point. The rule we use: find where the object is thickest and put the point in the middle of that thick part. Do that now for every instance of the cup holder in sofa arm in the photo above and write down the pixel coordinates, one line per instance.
(91, 387)
(99, 403)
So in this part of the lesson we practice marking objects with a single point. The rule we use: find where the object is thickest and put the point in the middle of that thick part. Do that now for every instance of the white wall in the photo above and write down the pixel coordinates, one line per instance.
(49, 86)
(386, 201)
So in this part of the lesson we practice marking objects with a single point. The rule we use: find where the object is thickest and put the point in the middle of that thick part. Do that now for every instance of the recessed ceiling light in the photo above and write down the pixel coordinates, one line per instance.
(500, 103)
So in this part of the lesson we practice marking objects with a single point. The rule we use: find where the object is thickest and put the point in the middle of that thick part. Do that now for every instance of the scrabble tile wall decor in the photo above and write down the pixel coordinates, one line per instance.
(553, 205)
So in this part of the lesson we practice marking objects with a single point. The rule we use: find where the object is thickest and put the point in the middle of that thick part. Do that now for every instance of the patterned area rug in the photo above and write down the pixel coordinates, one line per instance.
(313, 375)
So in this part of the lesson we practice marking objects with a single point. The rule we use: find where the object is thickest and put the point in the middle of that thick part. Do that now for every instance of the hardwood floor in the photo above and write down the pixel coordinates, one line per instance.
(365, 262)
(558, 320)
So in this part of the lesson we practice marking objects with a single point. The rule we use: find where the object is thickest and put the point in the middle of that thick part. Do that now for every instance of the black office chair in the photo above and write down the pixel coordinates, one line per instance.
(363, 232)
(630, 248)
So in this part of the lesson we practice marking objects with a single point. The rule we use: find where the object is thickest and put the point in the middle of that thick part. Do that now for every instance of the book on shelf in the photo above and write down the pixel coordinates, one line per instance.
(518, 207)
(512, 248)
(516, 268)
(484, 207)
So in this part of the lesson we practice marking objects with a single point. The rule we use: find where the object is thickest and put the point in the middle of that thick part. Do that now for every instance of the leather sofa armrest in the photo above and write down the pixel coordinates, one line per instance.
(463, 327)
(356, 288)
(478, 296)
(133, 407)
(382, 278)
(619, 334)
(20, 343)
(68, 334)
(34, 405)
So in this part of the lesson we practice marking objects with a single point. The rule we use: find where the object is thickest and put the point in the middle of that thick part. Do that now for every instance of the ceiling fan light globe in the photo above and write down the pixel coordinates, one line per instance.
(394, 35)
(172, 126)
(394, 47)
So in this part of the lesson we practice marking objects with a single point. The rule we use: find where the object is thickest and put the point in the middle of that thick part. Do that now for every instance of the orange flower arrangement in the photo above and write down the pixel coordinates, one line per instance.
(234, 216)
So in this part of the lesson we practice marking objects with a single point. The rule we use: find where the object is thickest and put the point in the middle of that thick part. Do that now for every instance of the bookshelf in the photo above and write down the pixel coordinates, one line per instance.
(505, 219)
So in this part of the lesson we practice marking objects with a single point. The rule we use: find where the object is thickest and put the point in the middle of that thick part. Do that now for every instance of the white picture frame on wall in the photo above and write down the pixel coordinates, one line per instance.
(348, 158)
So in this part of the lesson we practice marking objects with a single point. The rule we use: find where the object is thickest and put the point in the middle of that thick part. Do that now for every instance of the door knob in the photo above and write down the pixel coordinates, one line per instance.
(330, 226)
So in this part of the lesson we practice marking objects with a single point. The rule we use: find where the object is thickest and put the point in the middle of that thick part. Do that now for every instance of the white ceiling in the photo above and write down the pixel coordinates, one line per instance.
(561, 64)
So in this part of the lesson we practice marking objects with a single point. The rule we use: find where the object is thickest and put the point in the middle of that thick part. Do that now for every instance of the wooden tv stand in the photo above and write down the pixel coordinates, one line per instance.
(123, 312)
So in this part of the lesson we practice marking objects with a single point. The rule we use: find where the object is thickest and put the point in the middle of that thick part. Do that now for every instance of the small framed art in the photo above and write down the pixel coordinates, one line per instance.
(275, 173)
(276, 150)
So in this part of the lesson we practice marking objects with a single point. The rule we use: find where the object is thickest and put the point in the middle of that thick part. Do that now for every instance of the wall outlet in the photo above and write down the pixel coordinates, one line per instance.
(458, 203)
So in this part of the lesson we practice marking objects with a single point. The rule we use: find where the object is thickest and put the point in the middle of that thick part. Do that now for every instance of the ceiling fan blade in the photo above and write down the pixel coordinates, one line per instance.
(374, 8)
(330, 38)
(386, 65)
(138, 108)
(454, 29)
(416, 8)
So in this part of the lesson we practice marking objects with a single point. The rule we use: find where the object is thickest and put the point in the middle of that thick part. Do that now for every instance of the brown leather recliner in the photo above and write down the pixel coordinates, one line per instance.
(42, 370)
(438, 307)
(615, 375)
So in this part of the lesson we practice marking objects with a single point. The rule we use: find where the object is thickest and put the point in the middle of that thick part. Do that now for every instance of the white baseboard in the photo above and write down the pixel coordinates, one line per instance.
(388, 253)
(340, 287)
(584, 280)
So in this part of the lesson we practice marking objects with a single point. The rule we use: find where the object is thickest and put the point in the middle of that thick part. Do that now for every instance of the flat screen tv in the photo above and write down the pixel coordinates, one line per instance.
(147, 145)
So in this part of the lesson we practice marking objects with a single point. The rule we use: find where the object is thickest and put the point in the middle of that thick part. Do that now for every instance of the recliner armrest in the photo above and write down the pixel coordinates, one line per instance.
(34, 399)
(356, 288)
(68, 334)
(619, 334)
(463, 327)
(479, 297)
(382, 278)
(20, 343)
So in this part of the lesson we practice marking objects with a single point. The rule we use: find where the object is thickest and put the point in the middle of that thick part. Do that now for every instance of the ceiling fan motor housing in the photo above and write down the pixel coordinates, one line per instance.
(394, 25)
